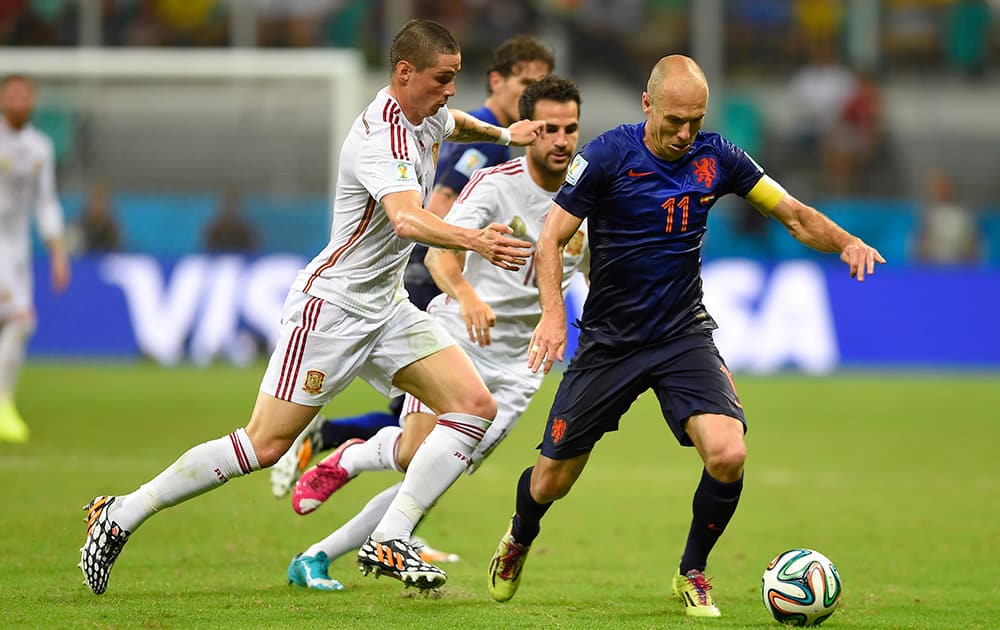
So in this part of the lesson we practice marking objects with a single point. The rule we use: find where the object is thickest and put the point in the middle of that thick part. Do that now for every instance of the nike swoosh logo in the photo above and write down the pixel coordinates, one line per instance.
(632, 173)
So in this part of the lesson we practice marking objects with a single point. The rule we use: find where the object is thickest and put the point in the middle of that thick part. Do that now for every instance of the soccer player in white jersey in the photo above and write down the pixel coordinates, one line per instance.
(490, 311)
(347, 315)
(27, 181)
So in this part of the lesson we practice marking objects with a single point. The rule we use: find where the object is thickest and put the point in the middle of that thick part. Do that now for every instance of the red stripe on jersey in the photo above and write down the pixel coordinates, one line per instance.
(400, 131)
(531, 268)
(366, 219)
(402, 139)
(397, 132)
(292, 342)
(512, 167)
(403, 147)
(388, 116)
(241, 456)
(473, 432)
(296, 349)
(310, 315)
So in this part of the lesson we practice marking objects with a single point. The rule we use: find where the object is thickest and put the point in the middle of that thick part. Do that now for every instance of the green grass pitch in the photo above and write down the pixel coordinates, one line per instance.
(893, 476)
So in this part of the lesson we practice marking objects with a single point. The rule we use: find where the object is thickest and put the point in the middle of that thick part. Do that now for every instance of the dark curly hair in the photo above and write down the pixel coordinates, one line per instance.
(551, 88)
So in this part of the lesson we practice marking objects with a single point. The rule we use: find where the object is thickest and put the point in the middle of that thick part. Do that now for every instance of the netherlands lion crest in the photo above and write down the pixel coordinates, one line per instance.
(314, 381)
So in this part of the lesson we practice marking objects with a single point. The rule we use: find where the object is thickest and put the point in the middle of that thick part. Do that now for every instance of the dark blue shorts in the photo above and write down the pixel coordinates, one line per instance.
(687, 374)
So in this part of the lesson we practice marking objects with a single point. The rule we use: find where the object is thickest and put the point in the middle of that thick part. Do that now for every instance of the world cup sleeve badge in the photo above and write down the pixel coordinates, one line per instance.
(576, 169)
(314, 382)
(404, 172)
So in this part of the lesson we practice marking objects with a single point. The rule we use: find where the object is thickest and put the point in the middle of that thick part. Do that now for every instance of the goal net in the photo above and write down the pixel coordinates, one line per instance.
(192, 121)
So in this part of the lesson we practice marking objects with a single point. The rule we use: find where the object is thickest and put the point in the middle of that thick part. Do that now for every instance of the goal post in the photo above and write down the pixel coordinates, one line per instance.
(276, 113)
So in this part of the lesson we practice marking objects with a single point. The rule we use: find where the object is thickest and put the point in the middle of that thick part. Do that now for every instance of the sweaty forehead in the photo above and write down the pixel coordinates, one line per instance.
(444, 62)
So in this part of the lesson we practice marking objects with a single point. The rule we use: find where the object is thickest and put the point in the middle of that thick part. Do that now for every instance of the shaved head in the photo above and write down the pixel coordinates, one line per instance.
(675, 101)
(679, 77)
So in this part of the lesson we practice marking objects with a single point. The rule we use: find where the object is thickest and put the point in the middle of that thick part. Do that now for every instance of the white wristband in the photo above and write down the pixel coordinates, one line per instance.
(504, 138)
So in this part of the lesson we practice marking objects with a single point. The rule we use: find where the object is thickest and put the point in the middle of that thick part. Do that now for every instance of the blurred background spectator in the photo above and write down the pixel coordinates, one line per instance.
(850, 102)
(948, 233)
(854, 145)
(96, 230)
(820, 91)
(968, 36)
(229, 231)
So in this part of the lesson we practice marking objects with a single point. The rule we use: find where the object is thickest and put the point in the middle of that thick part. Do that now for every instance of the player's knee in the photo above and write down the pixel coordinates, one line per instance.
(479, 403)
(268, 449)
(726, 463)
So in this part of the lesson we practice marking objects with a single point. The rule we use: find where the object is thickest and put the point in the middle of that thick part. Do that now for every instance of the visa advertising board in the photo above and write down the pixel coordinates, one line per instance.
(795, 315)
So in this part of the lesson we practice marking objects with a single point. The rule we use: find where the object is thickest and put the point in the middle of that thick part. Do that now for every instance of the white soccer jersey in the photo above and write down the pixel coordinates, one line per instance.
(27, 181)
(361, 269)
(497, 195)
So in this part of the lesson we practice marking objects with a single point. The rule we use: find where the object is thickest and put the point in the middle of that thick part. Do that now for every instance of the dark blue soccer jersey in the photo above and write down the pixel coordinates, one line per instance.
(647, 219)
(456, 161)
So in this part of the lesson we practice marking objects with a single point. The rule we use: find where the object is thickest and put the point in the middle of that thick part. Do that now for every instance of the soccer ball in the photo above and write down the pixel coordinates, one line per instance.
(801, 587)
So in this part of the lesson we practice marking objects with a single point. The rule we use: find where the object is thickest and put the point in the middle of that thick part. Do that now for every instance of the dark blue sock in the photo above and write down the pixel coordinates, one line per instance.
(336, 431)
(714, 504)
(527, 521)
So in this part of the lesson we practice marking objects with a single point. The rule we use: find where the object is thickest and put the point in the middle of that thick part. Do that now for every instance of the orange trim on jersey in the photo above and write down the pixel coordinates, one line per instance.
(336, 255)
(732, 383)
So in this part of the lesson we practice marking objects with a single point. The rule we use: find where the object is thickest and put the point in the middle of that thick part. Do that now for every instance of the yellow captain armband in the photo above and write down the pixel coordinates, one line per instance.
(766, 194)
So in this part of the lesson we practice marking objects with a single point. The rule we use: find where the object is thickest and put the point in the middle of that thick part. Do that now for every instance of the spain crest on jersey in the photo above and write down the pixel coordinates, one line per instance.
(314, 381)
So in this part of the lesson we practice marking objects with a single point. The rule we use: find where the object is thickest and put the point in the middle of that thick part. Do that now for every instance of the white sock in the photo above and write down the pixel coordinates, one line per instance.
(14, 335)
(436, 465)
(494, 435)
(377, 453)
(203, 468)
(356, 531)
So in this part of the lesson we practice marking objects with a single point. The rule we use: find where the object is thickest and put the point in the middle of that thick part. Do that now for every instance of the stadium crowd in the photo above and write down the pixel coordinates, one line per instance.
(830, 128)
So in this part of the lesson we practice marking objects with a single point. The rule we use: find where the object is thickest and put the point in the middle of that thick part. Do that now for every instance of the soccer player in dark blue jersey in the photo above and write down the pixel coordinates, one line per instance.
(515, 64)
(646, 190)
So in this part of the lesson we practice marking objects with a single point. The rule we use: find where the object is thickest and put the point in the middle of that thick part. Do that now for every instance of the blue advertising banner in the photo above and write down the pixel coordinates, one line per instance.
(798, 315)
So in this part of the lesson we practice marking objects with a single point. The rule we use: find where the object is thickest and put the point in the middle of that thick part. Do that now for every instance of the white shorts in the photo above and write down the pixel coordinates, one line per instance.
(15, 290)
(321, 348)
(512, 386)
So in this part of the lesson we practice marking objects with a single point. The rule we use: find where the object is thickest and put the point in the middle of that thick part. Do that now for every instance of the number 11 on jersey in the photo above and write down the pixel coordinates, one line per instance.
(672, 204)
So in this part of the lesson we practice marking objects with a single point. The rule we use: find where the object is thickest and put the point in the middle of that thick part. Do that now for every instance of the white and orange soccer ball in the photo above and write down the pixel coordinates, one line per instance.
(801, 587)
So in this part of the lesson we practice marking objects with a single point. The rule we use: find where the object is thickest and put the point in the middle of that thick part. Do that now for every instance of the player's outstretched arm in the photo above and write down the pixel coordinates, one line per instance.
(412, 222)
(813, 228)
(470, 129)
(59, 262)
(548, 341)
(446, 269)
